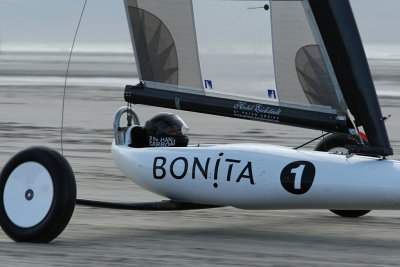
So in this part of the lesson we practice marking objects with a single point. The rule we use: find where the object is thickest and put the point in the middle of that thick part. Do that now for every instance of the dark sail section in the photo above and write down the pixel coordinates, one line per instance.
(340, 34)
(314, 77)
(155, 47)
(164, 40)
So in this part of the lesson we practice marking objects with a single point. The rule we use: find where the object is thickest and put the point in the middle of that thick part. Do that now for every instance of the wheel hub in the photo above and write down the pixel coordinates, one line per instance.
(28, 194)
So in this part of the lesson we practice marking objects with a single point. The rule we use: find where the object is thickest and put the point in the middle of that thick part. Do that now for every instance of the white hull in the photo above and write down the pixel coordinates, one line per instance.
(254, 176)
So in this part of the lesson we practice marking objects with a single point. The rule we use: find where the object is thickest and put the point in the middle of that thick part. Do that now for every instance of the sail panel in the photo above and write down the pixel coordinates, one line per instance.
(165, 41)
(235, 48)
(157, 55)
(314, 77)
(302, 70)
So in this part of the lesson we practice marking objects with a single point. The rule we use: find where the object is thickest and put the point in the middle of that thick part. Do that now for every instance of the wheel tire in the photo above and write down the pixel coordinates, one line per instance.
(332, 141)
(37, 195)
(350, 213)
(337, 143)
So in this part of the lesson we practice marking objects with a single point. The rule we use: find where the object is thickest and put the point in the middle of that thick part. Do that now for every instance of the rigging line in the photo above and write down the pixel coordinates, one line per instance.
(321, 136)
(66, 76)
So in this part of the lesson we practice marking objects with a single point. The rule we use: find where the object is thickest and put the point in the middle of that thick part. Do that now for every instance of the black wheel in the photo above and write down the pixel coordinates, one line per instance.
(337, 143)
(38, 194)
(350, 213)
(334, 143)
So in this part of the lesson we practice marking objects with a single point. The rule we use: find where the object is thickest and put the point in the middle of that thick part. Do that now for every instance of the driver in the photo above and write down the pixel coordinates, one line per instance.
(166, 130)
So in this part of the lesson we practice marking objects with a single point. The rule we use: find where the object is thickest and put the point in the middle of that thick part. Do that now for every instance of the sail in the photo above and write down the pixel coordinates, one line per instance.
(257, 60)
(165, 42)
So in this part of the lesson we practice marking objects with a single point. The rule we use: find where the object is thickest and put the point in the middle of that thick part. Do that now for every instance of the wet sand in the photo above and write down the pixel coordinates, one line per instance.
(30, 115)
(224, 237)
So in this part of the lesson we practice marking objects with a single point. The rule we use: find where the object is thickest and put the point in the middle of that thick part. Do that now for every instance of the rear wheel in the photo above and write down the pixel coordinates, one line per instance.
(336, 143)
(37, 195)
(350, 213)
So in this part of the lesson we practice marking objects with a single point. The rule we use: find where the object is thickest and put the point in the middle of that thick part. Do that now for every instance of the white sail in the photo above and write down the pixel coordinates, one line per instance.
(235, 49)
(165, 42)
(303, 69)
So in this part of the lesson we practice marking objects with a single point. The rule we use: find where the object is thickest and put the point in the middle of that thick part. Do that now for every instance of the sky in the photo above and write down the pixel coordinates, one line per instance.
(56, 20)
(105, 21)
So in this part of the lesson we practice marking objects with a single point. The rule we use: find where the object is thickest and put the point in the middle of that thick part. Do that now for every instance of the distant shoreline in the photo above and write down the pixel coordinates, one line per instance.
(374, 50)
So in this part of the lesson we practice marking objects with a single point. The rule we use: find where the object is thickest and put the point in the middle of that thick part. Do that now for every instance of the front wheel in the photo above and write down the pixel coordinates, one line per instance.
(37, 195)
(336, 143)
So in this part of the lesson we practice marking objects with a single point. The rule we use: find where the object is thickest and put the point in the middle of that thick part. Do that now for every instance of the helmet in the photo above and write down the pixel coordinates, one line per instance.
(166, 129)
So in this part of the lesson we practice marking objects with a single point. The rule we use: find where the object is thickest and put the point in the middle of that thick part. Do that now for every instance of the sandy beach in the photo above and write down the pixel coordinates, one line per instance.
(30, 113)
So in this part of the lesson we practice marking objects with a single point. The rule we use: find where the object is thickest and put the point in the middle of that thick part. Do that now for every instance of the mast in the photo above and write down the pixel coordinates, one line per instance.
(341, 37)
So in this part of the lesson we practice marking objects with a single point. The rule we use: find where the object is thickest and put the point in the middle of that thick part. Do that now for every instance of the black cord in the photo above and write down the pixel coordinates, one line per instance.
(66, 77)
(166, 205)
(321, 136)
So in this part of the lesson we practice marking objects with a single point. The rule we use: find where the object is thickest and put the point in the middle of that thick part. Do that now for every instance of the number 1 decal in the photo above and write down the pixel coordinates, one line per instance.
(298, 177)
(298, 173)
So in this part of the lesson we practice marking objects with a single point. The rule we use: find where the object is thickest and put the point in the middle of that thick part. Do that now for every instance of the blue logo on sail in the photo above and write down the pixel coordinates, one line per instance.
(272, 93)
(208, 84)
